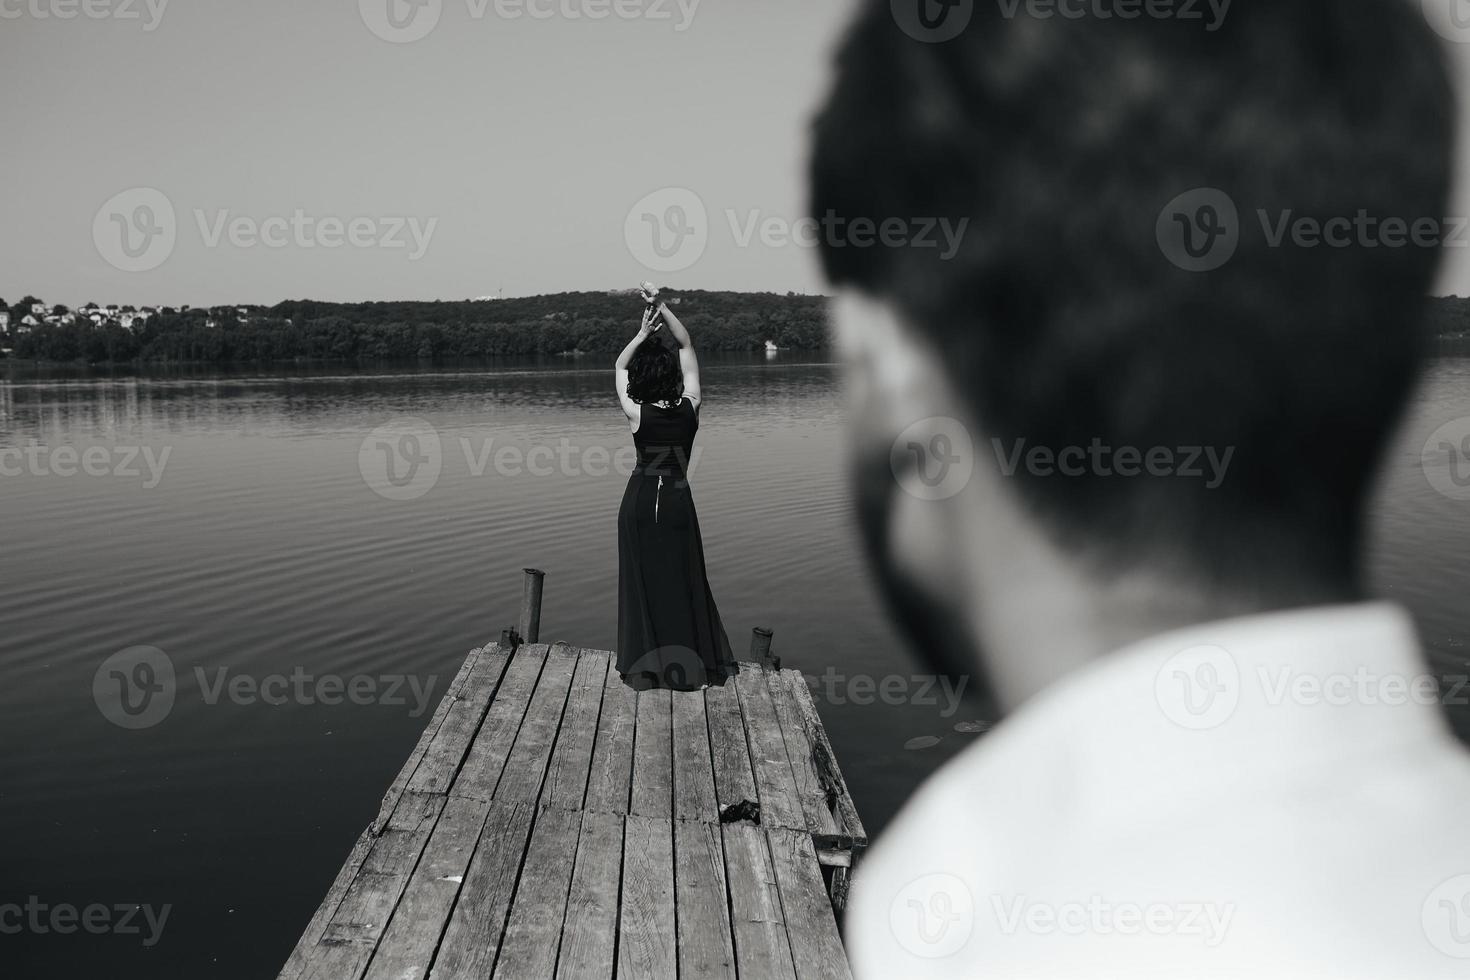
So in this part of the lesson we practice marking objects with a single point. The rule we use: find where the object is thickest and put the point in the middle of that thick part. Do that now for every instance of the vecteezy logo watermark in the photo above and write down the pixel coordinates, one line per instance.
(1186, 10)
(41, 918)
(1449, 18)
(1097, 459)
(933, 459)
(933, 916)
(933, 21)
(305, 231)
(401, 460)
(135, 230)
(922, 690)
(401, 21)
(1096, 916)
(835, 231)
(90, 9)
(1445, 459)
(1446, 917)
(674, 667)
(120, 462)
(135, 688)
(1198, 688)
(404, 459)
(668, 230)
(1199, 230)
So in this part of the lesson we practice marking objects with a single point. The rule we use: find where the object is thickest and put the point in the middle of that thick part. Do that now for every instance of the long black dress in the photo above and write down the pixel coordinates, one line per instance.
(669, 629)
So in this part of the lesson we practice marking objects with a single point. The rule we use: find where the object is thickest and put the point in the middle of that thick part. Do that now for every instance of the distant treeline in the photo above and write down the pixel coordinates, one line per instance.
(568, 323)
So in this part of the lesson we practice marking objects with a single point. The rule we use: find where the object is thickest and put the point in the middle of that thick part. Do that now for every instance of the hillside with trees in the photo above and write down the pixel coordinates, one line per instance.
(567, 323)
(597, 323)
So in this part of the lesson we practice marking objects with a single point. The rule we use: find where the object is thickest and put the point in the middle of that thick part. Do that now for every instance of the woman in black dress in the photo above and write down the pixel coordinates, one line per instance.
(669, 630)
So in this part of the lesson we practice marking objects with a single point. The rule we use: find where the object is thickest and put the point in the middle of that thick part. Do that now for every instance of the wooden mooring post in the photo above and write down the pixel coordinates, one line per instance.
(760, 648)
(530, 627)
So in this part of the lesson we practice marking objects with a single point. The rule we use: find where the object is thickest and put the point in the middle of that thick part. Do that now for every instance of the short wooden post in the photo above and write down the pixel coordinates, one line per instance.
(760, 648)
(508, 639)
(530, 628)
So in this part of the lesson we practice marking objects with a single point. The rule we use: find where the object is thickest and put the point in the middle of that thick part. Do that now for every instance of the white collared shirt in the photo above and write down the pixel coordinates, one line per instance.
(1272, 796)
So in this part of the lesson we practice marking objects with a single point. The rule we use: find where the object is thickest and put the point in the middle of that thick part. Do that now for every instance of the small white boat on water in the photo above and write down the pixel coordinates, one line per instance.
(771, 347)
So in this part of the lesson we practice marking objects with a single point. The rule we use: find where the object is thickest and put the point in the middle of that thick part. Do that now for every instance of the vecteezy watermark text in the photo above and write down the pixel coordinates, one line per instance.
(670, 229)
(1211, 13)
(923, 690)
(137, 230)
(1206, 921)
(406, 21)
(42, 918)
(88, 9)
(136, 688)
(1201, 688)
(403, 460)
(120, 462)
(1097, 459)
(1201, 230)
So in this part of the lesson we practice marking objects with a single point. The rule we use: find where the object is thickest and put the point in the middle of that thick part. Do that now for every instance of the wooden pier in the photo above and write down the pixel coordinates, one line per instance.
(552, 822)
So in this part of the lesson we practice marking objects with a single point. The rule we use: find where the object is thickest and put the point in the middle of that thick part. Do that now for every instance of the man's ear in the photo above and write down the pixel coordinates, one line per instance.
(889, 364)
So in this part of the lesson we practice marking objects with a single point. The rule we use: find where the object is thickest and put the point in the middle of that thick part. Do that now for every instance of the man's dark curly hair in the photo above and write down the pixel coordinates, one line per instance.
(1060, 318)
(654, 374)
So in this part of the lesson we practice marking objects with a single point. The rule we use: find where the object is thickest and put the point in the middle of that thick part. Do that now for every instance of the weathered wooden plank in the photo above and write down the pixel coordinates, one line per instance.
(734, 778)
(694, 776)
(571, 760)
(762, 948)
(441, 762)
(653, 758)
(706, 946)
(647, 947)
(816, 945)
(825, 761)
(526, 767)
(318, 924)
(780, 804)
(355, 927)
(451, 695)
(533, 934)
(296, 964)
(809, 788)
(589, 932)
(472, 940)
(486, 760)
(611, 778)
(407, 948)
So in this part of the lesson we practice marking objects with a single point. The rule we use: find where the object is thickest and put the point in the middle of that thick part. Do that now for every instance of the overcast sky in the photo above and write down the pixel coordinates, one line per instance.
(214, 151)
(529, 140)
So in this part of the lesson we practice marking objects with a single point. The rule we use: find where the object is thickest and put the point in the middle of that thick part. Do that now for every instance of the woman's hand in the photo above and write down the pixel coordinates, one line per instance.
(650, 321)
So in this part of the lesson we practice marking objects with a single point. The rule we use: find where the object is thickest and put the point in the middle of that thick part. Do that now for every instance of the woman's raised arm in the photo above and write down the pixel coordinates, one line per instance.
(620, 366)
(688, 360)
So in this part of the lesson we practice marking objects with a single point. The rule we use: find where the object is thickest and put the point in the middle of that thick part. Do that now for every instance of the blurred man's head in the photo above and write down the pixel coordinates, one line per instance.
(1092, 322)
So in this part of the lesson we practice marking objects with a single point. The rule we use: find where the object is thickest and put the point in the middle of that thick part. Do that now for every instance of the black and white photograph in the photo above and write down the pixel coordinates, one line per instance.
(735, 489)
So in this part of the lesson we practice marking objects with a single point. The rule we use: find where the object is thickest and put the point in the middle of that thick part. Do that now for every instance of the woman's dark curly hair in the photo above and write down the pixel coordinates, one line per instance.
(654, 374)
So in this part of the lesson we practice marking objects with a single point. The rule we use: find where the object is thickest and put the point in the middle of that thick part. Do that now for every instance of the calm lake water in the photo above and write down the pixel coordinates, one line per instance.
(257, 548)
